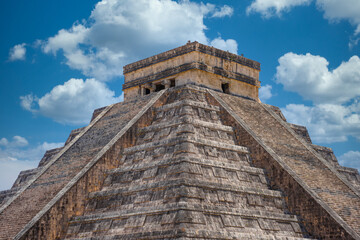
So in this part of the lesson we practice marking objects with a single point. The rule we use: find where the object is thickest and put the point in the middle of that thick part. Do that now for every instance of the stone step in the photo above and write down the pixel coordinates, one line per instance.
(186, 206)
(158, 193)
(115, 190)
(191, 103)
(205, 234)
(177, 109)
(195, 160)
(164, 216)
(186, 145)
(186, 125)
(192, 160)
(171, 194)
(195, 167)
(189, 141)
(191, 120)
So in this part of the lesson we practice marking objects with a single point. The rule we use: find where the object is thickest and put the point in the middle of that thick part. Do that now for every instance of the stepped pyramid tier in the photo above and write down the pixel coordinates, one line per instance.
(190, 154)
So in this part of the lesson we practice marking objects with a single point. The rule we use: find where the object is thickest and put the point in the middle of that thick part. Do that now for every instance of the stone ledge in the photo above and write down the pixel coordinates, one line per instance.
(187, 102)
(191, 66)
(276, 110)
(199, 161)
(225, 235)
(52, 152)
(190, 47)
(188, 207)
(348, 169)
(187, 235)
(188, 120)
(186, 139)
(301, 131)
(187, 182)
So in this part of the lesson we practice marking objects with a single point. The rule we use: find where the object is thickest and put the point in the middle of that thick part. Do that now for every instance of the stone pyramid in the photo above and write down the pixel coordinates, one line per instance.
(190, 154)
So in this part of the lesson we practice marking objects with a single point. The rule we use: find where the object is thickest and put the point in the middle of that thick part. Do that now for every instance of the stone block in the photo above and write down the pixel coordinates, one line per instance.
(184, 216)
(150, 173)
(255, 200)
(135, 221)
(225, 196)
(232, 221)
(267, 224)
(211, 151)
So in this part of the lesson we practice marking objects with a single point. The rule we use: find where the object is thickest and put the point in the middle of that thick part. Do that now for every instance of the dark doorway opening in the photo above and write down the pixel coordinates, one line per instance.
(147, 91)
(225, 88)
(172, 82)
(159, 87)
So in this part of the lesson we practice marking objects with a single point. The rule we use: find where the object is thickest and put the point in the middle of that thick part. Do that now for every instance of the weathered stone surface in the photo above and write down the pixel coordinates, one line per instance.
(185, 163)
(185, 172)
(46, 186)
(193, 63)
(269, 139)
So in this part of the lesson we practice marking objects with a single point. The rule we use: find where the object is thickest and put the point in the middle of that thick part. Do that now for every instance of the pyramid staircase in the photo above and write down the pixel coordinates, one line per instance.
(185, 178)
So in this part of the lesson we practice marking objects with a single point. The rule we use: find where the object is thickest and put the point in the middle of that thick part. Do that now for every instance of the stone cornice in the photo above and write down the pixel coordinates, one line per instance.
(190, 47)
(190, 66)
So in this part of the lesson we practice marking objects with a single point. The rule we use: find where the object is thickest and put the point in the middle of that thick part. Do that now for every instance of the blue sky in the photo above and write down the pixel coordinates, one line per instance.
(59, 60)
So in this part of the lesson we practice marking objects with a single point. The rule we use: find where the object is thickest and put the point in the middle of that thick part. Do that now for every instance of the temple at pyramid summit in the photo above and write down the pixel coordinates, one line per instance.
(191, 153)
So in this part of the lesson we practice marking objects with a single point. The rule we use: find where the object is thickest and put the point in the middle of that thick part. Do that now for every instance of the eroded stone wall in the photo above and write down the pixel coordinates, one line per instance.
(316, 216)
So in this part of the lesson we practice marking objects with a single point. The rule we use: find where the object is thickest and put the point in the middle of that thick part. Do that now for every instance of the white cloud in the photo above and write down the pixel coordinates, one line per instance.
(270, 8)
(309, 76)
(17, 52)
(119, 32)
(350, 159)
(4, 142)
(15, 157)
(326, 123)
(17, 141)
(227, 45)
(67, 40)
(353, 42)
(265, 92)
(71, 103)
(223, 12)
(335, 114)
(336, 10)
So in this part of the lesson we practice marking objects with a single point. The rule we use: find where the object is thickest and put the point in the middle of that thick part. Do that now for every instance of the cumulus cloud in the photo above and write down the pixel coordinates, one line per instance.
(17, 141)
(350, 159)
(265, 92)
(17, 52)
(341, 10)
(119, 32)
(227, 45)
(335, 113)
(310, 76)
(326, 123)
(71, 103)
(270, 8)
(223, 11)
(16, 155)
(334, 10)
(67, 40)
